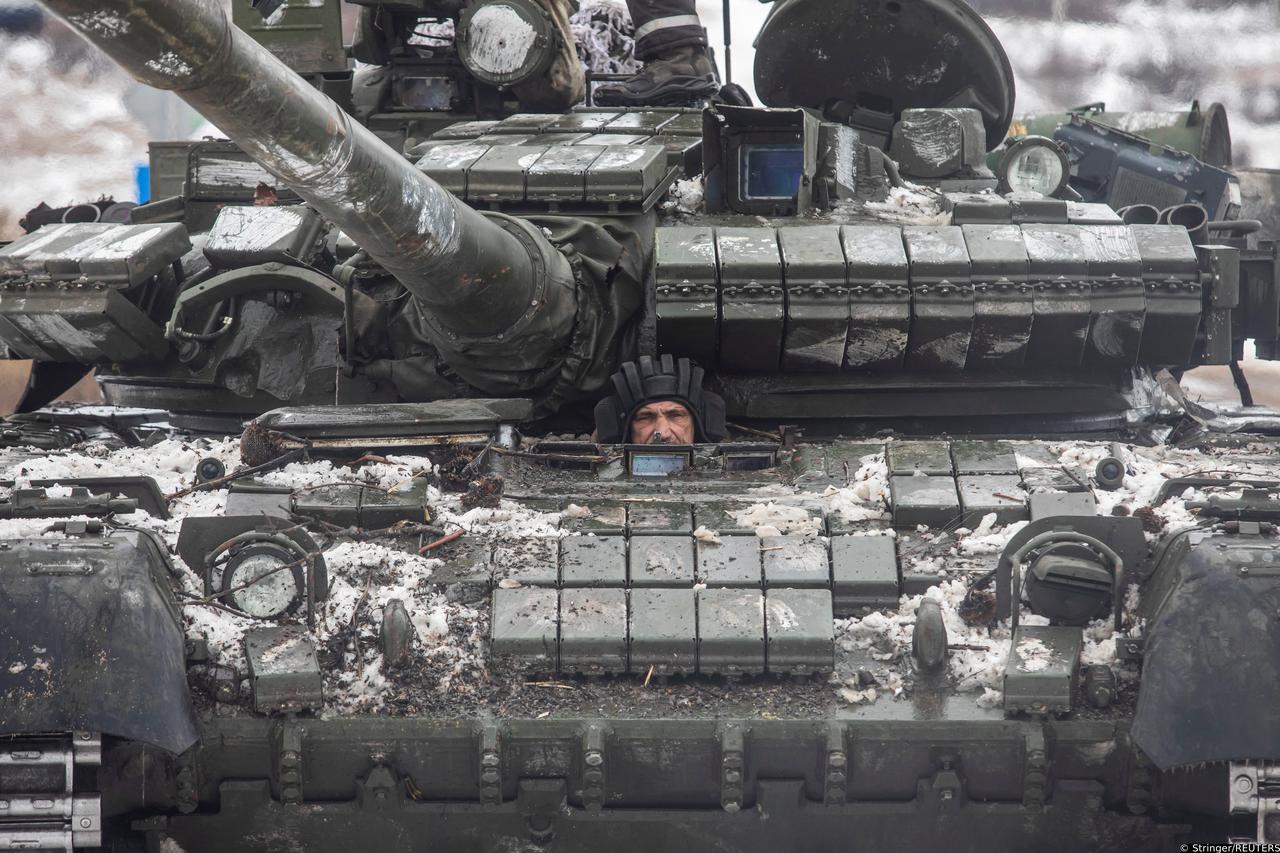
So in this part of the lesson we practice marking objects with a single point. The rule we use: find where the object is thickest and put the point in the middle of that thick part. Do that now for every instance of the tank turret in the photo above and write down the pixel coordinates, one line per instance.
(477, 279)
(848, 240)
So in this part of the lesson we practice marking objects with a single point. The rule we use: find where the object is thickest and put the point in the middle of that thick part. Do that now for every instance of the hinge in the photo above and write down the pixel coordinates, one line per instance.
(382, 789)
(593, 769)
(836, 781)
(946, 787)
(490, 766)
(1254, 789)
(732, 767)
(288, 759)
(1035, 773)
(39, 807)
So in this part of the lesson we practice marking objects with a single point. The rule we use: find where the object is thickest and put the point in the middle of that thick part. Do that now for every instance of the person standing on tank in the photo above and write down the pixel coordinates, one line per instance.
(672, 42)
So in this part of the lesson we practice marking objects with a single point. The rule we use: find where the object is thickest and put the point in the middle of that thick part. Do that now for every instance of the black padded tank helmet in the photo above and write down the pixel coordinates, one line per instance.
(649, 380)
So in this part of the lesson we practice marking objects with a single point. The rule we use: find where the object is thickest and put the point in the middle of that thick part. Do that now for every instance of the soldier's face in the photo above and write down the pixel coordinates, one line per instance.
(663, 422)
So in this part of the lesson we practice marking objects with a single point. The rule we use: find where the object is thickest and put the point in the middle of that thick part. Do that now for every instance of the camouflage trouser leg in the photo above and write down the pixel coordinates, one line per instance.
(662, 25)
(564, 84)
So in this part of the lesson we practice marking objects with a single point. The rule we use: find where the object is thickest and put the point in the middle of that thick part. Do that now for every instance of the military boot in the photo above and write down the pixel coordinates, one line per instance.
(684, 76)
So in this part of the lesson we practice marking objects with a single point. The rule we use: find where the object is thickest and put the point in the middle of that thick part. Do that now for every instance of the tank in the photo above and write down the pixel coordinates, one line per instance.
(370, 550)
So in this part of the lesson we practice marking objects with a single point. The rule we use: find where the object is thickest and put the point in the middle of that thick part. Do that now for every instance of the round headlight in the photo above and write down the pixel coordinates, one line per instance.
(1033, 164)
(506, 42)
(263, 580)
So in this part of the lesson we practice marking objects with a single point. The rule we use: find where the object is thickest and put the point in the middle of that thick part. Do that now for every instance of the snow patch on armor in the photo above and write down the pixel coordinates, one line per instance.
(127, 246)
(101, 22)
(772, 519)
(251, 229)
(685, 197)
(169, 64)
(910, 205)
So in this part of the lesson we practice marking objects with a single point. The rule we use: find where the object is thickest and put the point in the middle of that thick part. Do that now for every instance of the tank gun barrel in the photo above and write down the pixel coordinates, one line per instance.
(474, 276)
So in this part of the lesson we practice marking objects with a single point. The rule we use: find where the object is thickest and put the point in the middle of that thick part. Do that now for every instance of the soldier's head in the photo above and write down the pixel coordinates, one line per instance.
(662, 422)
(659, 401)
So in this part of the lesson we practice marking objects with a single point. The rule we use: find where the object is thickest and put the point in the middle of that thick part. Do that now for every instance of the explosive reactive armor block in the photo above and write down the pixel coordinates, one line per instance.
(686, 283)
(664, 631)
(661, 561)
(1172, 281)
(734, 562)
(795, 561)
(1002, 304)
(941, 298)
(1050, 504)
(525, 626)
(593, 561)
(919, 457)
(928, 500)
(1044, 667)
(813, 269)
(532, 562)
(879, 296)
(751, 299)
(593, 631)
(864, 572)
(1038, 283)
(799, 631)
(659, 519)
(984, 457)
(603, 518)
(62, 291)
(999, 494)
(284, 671)
(1059, 275)
(730, 631)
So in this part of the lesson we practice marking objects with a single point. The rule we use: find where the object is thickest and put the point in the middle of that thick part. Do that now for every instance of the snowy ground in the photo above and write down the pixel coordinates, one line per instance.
(449, 658)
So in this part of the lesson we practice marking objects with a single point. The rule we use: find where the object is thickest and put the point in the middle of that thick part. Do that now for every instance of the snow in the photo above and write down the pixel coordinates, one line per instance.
(65, 132)
(978, 666)
(706, 536)
(910, 205)
(887, 634)
(773, 519)
(169, 64)
(1034, 655)
(866, 497)
(102, 22)
(685, 197)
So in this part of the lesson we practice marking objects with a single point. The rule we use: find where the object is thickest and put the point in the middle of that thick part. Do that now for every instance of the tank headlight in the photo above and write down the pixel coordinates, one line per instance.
(1033, 164)
(263, 580)
(506, 42)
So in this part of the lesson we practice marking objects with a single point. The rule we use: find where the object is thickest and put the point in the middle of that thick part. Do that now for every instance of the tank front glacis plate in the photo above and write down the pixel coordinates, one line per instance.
(714, 641)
